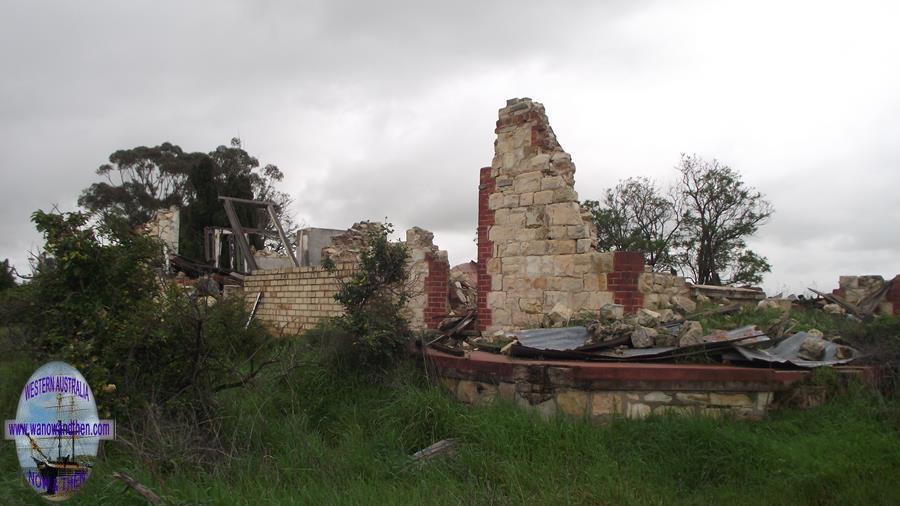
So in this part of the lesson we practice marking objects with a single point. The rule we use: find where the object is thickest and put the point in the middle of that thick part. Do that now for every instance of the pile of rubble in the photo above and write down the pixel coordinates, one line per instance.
(652, 336)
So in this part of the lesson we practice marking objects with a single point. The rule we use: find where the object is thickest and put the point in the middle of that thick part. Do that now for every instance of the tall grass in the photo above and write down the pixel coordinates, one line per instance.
(316, 436)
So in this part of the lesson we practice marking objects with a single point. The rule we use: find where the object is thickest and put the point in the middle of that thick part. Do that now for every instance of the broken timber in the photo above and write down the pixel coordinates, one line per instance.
(239, 231)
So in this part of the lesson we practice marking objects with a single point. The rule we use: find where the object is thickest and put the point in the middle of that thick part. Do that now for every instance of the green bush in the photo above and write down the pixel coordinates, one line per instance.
(98, 302)
(373, 299)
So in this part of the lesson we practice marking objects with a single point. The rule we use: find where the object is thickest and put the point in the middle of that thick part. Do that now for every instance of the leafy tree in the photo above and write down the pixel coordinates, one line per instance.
(637, 216)
(720, 213)
(142, 180)
(7, 278)
(699, 226)
(373, 298)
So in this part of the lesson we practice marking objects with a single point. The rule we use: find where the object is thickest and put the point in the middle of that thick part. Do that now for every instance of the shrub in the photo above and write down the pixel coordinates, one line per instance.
(98, 302)
(373, 298)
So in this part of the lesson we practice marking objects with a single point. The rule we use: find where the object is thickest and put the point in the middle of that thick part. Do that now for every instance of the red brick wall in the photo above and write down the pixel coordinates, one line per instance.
(437, 285)
(623, 281)
(894, 295)
(485, 246)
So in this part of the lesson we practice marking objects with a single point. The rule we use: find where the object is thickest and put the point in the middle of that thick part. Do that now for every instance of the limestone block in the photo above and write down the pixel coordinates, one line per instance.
(531, 306)
(657, 397)
(605, 404)
(648, 318)
(597, 300)
(552, 183)
(496, 282)
(563, 265)
(571, 284)
(583, 246)
(595, 282)
(542, 197)
(495, 201)
(528, 182)
(526, 234)
(603, 262)
(684, 304)
(534, 218)
(506, 391)
(496, 299)
(510, 200)
(516, 217)
(500, 233)
(730, 400)
(533, 265)
(500, 316)
(548, 266)
(643, 337)
(691, 333)
(566, 194)
(579, 231)
(558, 232)
(573, 402)
(554, 297)
(474, 392)
(637, 411)
(692, 398)
(612, 311)
(561, 247)
(537, 247)
(526, 199)
(494, 266)
(540, 162)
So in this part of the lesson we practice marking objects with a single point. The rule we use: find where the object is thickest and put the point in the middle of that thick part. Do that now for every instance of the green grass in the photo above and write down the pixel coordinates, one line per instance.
(316, 437)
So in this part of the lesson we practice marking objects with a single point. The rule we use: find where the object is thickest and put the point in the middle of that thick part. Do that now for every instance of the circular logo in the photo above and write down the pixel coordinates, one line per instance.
(57, 431)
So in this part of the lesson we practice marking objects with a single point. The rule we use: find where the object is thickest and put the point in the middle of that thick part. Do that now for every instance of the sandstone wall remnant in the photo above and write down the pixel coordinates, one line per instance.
(536, 245)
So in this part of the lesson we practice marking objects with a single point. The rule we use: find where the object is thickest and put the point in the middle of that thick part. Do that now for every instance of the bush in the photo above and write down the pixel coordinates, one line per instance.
(373, 299)
(98, 302)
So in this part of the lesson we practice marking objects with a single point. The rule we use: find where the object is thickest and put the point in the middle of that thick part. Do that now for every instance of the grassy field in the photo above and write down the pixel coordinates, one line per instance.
(315, 437)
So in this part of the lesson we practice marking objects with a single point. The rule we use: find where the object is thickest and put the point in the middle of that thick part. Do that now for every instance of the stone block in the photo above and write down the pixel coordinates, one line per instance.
(561, 247)
(657, 397)
(500, 233)
(566, 195)
(573, 402)
(526, 199)
(637, 410)
(537, 247)
(571, 284)
(474, 392)
(531, 306)
(528, 182)
(496, 299)
(552, 183)
(643, 337)
(605, 404)
(730, 400)
(566, 213)
(583, 245)
(562, 265)
(543, 197)
(595, 282)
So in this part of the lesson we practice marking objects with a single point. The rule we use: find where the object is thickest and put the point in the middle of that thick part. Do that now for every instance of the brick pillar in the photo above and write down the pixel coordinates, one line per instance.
(623, 281)
(485, 246)
(437, 285)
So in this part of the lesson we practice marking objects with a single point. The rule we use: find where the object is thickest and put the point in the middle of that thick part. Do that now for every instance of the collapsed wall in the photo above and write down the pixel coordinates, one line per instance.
(295, 299)
(536, 245)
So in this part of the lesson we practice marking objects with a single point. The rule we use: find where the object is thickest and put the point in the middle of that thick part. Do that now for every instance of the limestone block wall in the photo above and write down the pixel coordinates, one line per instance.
(429, 280)
(659, 289)
(536, 245)
(164, 225)
(602, 405)
(294, 299)
(853, 289)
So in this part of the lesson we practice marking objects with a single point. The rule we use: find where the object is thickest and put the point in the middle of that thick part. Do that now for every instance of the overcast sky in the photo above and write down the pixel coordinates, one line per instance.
(377, 109)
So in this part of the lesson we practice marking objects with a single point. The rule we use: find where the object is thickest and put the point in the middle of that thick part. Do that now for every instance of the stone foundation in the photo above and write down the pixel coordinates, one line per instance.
(602, 390)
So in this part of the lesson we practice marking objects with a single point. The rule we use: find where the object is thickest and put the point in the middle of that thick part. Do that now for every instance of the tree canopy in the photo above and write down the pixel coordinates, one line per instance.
(698, 225)
(143, 180)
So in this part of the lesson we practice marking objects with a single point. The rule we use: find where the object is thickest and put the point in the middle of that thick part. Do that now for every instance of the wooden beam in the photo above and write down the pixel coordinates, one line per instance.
(239, 233)
(284, 241)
